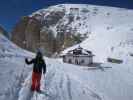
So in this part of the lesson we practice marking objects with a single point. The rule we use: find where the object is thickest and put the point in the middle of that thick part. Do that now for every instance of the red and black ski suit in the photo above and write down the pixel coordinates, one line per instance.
(38, 66)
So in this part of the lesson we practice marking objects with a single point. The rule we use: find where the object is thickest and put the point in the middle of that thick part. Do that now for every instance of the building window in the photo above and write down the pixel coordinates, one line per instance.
(76, 61)
(82, 61)
(64, 58)
(70, 61)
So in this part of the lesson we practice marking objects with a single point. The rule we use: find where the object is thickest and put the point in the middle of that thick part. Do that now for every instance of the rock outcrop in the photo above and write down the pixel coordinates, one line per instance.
(46, 29)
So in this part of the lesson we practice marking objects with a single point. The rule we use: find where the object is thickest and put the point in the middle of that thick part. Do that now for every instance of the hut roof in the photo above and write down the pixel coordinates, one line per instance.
(79, 51)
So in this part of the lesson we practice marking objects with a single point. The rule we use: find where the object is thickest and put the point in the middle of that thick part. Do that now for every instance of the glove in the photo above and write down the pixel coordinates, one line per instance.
(26, 60)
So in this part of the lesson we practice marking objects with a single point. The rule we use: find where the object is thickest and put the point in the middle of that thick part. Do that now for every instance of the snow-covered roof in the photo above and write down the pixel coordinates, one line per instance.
(79, 52)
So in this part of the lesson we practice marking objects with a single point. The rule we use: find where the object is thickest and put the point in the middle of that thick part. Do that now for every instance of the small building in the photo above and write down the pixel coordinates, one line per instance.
(115, 60)
(78, 56)
(74, 10)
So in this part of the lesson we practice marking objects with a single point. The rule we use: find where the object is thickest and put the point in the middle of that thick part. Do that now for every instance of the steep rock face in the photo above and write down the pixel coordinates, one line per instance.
(32, 34)
(53, 17)
(18, 34)
(46, 29)
(35, 31)
(26, 33)
(47, 42)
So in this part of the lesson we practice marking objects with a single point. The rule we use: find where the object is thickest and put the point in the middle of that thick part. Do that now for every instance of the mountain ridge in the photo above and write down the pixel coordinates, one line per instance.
(71, 24)
(4, 32)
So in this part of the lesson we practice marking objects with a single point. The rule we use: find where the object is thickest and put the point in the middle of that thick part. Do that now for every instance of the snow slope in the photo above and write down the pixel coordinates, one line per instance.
(108, 44)
(63, 81)
(70, 82)
(11, 69)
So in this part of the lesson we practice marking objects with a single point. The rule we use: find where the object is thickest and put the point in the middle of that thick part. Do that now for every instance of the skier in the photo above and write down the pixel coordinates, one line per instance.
(38, 65)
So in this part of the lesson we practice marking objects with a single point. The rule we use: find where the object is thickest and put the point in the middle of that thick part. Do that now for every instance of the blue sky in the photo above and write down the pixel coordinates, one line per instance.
(12, 10)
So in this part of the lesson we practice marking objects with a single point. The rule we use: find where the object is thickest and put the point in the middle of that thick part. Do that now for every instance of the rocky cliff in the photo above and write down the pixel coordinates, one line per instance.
(61, 26)
(46, 29)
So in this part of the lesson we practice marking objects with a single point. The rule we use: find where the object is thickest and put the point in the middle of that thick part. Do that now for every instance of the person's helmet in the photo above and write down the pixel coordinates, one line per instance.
(39, 54)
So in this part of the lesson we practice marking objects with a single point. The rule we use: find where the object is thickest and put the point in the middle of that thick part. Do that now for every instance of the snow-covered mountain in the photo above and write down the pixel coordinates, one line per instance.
(110, 34)
(62, 26)
(109, 29)
(85, 18)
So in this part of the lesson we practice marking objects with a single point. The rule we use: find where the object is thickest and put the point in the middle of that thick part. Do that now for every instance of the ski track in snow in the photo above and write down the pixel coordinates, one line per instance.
(69, 88)
(57, 85)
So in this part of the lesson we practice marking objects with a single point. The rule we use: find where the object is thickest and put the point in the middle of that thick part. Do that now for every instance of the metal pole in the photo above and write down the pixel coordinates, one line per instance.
(36, 95)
